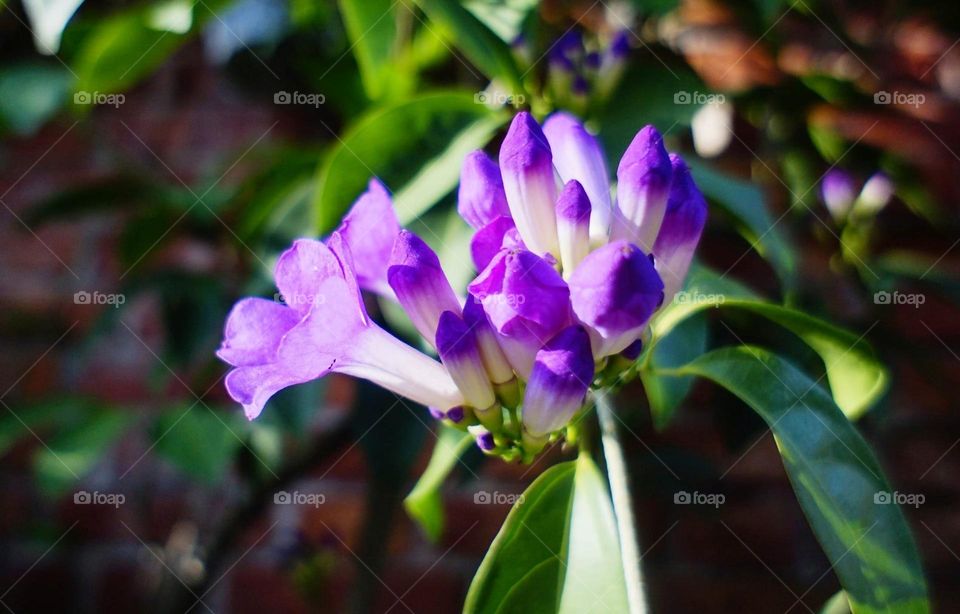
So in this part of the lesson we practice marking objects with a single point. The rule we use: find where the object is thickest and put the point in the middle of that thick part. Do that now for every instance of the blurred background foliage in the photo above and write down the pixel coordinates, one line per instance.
(763, 96)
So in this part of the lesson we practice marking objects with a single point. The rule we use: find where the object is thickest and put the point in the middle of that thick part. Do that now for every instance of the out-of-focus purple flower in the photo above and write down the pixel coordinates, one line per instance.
(526, 165)
(460, 354)
(573, 225)
(561, 376)
(369, 228)
(526, 302)
(643, 183)
(838, 189)
(420, 284)
(481, 198)
(620, 45)
(680, 232)
(577, 154)
(324, 327)
(876, 193)
(614, 292)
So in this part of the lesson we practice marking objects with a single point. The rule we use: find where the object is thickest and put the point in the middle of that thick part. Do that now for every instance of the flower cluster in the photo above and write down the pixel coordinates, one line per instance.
(569, 279)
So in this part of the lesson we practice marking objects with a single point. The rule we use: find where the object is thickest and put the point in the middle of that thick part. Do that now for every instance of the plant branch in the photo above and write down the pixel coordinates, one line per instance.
(622, 505)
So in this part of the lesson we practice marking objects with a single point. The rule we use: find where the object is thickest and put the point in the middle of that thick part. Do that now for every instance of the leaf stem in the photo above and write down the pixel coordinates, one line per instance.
(622, 505)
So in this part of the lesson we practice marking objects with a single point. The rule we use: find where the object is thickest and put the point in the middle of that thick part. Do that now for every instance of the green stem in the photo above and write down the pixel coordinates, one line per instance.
(622, 505)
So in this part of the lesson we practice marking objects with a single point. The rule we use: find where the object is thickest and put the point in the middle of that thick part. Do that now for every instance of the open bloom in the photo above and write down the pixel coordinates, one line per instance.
(567, 277)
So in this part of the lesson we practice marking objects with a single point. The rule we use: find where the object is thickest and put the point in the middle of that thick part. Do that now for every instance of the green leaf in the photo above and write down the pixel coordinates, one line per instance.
(48, 19)
(687, 341)
(856, 376)
(834, 474)
(424, 503)
(481, 46)
(197, 441)
(503, 17)
(745, 203)
(394, 143)
(557, 550)
(372, 28)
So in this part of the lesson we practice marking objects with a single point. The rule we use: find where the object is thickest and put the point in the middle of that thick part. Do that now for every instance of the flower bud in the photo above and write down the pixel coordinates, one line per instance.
(838, 189)
(682, 226)
(558, 384)
(643, 183)
(420, 284)
(614, 292)
(526, 164)
(577, 155)
(459, 353)
(481, 198)
(573, 225)
(498, 369)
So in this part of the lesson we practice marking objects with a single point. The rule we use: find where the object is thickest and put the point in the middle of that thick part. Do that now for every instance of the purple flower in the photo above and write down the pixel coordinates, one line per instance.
(680, 232)
(876, 193)
(481, 198)
(526, 164)
(558, 384)
(838, 189)
(577, 155)
(487, 241)
(526, 302)
(324, 327)
(498, 368)
(643, 183)
(420, 284)
(460, 354)
(573, 225)
(369, 228)
(614, 292)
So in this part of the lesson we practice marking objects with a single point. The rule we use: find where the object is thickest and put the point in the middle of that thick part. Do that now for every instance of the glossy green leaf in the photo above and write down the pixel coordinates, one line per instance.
(396, 143)
(503, 17)
(856, 376)
(481, 46)
(834, 474)
(557, 550)
(685, 342)
(424, 503)
(744, 202)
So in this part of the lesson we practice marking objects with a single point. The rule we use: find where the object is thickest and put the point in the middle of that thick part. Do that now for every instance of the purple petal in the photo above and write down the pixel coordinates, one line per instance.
(498, 368)
(369, 228)
(682, 226)
(559, 382)
(573, 225)
(490, 239)
(577, 154)
(420, 284)
(838, 189)
(525, 300)
(527, 169)
(614, 292)
(300, 270)
(253, 331)
(643, 184)
(458, 350)
(481, 198)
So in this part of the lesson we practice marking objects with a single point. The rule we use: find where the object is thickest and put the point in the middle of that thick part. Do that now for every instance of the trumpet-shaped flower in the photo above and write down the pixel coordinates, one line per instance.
(565, 281)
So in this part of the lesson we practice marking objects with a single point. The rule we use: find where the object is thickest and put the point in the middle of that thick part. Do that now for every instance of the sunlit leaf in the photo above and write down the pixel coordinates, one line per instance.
(424, 503)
